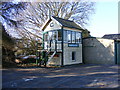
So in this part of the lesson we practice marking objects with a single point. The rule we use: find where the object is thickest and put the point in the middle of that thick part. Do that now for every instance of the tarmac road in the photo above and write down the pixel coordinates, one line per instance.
(74, 76)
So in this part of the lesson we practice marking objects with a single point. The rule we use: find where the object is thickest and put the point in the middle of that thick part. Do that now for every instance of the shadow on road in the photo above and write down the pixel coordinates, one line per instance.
(76, 76)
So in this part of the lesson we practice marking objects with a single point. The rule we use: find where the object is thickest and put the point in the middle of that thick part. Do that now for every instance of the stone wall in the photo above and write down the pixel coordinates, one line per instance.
(98, 51)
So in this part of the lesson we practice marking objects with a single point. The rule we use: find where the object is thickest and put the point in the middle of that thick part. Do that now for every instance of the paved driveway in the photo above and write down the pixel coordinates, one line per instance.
(75, 76)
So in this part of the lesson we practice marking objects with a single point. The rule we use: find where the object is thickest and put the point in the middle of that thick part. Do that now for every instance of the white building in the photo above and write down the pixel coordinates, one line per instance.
(63, 38)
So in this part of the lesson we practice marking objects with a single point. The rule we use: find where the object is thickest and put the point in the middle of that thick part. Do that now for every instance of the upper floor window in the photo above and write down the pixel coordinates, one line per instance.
(50, 35)
(59, 35)
(65, 36)
(73, 36)
(54, 37)
(46, 37)
(78, 37)
(69, 36)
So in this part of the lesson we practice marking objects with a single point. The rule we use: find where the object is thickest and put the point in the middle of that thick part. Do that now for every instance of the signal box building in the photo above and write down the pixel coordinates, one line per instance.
(63, 39)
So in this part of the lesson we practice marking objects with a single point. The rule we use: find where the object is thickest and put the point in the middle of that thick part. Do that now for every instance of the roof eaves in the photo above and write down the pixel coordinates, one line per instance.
(74, 28)
(45, 24)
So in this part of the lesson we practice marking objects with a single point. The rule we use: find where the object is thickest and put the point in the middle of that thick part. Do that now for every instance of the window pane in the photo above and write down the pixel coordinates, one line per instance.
(46, 37)
(65, 36)
(50, 35)
(73, 37)
(54, 37)
(59, 35)
(73, 55)
(78, 37)
(69, 36)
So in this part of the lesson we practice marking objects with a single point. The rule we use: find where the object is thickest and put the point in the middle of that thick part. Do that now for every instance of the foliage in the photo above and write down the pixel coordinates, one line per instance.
(86, 33)
(7, 49)
(25, 48)
(8, 11)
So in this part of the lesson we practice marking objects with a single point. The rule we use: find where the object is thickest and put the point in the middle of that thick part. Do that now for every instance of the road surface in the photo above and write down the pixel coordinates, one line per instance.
(74, 76)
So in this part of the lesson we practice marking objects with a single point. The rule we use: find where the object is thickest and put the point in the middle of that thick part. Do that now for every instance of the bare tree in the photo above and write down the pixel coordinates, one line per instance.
(9, 11)
(30, 20)
(7, 18)
(38, 12)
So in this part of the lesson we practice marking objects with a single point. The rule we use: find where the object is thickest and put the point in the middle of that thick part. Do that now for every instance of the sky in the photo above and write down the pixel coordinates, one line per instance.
(105, 19)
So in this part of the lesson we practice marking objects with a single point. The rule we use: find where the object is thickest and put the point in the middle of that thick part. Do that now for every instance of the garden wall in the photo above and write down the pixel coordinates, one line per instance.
(98, 51)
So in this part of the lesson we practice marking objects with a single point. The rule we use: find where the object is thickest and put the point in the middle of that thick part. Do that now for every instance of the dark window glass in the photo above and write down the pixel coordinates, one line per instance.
(59, 35)
(65, 36)
(73, 55)
(54, 35)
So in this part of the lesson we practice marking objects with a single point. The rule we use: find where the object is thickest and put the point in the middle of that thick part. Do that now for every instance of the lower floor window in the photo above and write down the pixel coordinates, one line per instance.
(73, 56)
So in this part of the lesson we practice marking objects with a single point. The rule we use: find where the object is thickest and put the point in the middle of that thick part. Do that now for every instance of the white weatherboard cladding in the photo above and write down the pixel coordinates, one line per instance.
(55, 26)
(72, 29)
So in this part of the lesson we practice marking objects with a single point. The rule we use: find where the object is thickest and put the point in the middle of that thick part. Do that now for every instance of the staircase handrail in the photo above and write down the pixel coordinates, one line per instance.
(51, 56)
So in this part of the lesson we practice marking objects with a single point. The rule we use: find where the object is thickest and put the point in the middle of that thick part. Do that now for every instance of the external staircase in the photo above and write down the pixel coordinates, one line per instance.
(46, 56)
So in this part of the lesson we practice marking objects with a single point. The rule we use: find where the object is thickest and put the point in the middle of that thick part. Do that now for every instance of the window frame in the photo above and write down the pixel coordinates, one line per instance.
(71, 37)
(45, 36)
(65, 36)
(73, 56)
(73, 33)
(80, 39)
(58, 35)
(69, 41)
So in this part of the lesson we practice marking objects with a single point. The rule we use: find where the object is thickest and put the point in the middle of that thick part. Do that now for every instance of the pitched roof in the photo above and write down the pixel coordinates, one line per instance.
(67, 23)
(63, 22)
(112, 36)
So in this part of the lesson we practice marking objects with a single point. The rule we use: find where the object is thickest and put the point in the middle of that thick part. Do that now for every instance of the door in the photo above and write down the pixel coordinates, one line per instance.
(117, 52)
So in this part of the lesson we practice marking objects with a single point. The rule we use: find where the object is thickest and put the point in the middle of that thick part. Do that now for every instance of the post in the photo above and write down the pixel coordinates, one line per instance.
(50, 44)
(55, 45)
(36, 52)
(82, 49)
(40, 58)
(62, 47)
